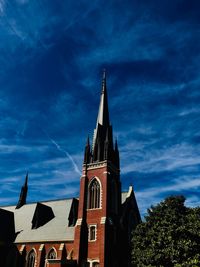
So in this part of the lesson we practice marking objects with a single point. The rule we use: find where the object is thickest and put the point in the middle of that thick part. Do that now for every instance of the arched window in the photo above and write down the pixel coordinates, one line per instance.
(52, 254)
(95, 264)
(92, 264)
(31, 259)
(94, 195)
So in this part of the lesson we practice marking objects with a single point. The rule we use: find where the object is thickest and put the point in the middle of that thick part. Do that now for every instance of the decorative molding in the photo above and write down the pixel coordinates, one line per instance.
(97, 165)
(61, 246)
(103, 220)
(22, 248)
(79, 222)
(41, 247)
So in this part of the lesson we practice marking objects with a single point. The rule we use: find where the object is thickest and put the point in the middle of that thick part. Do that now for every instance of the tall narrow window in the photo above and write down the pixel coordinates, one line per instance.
(94, 195)
(92, 233)
(31, 259)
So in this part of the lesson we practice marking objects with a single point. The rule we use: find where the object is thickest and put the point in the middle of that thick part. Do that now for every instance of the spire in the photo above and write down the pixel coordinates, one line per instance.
(103, 114)
(102, 145)
(87, 151)
(23, 194)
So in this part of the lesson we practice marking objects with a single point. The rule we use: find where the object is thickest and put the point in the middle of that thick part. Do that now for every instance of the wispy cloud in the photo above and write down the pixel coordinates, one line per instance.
(153, 195)
(148, 158)
(67, 155)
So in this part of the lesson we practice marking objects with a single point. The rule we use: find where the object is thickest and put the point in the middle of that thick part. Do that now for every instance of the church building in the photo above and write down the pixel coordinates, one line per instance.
(91, 230)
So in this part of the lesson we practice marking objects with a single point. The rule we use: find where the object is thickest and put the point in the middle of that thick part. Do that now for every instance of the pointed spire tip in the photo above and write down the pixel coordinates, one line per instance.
(104, 81)
(104, 74)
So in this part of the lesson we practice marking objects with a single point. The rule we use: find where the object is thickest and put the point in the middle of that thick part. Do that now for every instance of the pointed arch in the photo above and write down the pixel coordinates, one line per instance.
(31, 258)
(94, 194)
(70, 256)
(52, 254)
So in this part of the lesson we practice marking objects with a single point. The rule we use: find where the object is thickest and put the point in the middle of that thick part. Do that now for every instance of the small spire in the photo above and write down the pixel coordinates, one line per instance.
(26, 180)
(87, 151)
(88, 140)
(23, 194)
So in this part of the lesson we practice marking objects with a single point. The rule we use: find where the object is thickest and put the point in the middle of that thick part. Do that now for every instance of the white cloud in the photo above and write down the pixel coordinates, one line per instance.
(15, 148)
(153, 195)
(147, 159)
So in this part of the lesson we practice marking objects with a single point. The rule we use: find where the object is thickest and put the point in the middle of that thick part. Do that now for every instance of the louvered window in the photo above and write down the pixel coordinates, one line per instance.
(94, 195)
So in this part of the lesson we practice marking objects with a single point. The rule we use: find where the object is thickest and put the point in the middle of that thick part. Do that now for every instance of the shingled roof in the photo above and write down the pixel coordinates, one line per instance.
(55, 229)
(53, 224)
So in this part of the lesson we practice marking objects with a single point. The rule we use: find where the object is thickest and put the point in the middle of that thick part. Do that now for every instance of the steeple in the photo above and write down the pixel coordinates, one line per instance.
(102, 145)
(23, 194)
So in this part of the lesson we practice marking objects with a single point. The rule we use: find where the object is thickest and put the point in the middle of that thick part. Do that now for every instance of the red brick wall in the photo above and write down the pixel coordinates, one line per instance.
(42, 249)
(94, 249)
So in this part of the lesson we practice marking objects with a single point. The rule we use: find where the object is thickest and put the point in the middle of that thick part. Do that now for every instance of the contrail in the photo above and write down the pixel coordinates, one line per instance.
(68, 156)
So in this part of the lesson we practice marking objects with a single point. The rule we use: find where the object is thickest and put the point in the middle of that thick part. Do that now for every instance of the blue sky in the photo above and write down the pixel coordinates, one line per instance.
(51, 62)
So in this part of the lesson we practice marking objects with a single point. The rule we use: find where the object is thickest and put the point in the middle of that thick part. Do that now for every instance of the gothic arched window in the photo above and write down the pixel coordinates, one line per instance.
(95, 264)
(31, 259)
(94, 195)
(52, 254)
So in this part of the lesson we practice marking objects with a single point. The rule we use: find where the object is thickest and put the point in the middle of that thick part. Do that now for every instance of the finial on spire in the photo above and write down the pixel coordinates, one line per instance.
(104, 73)
(104, 80)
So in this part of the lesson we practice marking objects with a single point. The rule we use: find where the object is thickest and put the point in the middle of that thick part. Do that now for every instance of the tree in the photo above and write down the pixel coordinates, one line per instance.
(170, 236)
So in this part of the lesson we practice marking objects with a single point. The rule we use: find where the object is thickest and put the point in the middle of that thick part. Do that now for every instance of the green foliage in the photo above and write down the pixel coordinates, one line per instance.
(170, 236)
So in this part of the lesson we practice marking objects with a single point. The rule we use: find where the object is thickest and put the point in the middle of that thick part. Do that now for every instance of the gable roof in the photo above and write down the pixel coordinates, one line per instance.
(55, 229)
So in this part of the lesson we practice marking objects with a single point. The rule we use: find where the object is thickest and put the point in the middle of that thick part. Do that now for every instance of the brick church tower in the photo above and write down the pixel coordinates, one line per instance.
(97, 231)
